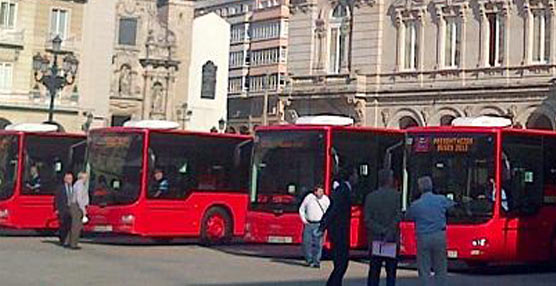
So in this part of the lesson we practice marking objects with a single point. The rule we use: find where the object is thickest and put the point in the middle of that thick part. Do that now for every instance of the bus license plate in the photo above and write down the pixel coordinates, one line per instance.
(280, 239)
(102, 228)
(452, 254)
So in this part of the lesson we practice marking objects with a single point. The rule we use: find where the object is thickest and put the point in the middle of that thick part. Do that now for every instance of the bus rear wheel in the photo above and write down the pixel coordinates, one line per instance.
(216, 226)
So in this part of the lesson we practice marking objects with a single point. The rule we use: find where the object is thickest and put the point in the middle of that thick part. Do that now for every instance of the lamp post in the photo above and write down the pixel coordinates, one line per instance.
(221, 125)
(51, 76)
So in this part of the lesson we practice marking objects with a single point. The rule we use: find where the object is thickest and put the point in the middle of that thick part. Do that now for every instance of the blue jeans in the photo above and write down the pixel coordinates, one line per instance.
(431, 255)
(312, 244)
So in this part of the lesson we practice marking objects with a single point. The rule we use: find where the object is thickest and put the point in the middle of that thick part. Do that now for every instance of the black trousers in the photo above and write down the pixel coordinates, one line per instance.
(375, 265)
(340, 258)
(64, 219)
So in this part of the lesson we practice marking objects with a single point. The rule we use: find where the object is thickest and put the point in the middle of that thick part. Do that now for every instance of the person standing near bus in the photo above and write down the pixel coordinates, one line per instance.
(429, 214)
(337, 221)
(61, 205)
(382, 214)
(311, 211)
(79, 200)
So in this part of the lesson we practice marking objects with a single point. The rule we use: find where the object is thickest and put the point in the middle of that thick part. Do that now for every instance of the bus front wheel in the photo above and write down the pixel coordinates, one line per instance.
(216, 227)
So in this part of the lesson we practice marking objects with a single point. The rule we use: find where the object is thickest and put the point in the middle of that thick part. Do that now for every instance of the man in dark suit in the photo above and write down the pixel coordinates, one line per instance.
(337, 221)
(61, 205)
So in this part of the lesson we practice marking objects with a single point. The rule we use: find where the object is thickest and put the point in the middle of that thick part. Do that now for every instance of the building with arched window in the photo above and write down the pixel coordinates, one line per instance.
(404, 63)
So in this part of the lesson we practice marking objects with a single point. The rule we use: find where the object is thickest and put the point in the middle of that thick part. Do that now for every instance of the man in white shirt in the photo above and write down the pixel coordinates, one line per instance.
(311, 211)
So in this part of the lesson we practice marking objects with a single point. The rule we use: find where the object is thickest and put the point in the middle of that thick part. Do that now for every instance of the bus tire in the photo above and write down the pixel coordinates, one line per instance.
(216, 227)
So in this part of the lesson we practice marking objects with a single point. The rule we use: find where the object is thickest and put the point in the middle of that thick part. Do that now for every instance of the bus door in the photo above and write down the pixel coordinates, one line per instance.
(287, 165)
(528, 228)
(166, 212)
(368, 152)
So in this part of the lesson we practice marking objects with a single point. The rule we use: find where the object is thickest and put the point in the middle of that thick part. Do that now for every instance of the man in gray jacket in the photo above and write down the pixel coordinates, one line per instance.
(382, 218)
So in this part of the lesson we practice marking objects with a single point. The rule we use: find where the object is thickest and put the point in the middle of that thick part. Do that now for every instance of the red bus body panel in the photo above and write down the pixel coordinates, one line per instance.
(268, 227)
(30, 212)
(510, 239)
(167, 218)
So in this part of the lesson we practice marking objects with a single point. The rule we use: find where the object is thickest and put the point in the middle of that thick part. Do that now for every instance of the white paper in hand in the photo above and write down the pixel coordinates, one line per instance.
(384, 249)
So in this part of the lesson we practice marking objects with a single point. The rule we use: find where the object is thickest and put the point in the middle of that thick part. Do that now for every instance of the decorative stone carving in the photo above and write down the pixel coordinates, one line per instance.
(320, 43)
(468, 111)
(425, 113)
(157, 98)
(385, 114)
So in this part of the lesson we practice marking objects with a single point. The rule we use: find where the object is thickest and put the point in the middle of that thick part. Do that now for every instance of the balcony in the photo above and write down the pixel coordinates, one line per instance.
(12, 38)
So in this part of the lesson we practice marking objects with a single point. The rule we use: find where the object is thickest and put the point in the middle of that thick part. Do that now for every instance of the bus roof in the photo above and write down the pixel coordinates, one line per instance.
(121, 129)
(327, 127)
(473, 129)
(44, 134)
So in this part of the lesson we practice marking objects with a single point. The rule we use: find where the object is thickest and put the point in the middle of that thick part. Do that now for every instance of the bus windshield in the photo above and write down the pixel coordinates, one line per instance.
(115, 162)
(286, 165)
(8, 165)
(462, 168)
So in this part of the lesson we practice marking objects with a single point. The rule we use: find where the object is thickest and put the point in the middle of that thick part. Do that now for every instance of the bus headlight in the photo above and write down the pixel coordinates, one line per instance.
(4, 213)
(128, 219)
(479, 242)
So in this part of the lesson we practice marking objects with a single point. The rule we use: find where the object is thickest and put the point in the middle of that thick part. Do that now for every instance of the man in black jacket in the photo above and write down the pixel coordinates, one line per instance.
(61, 205)
(337, 221)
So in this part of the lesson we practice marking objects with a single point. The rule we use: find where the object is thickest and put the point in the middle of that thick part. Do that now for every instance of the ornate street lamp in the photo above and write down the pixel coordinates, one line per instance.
(51, 76)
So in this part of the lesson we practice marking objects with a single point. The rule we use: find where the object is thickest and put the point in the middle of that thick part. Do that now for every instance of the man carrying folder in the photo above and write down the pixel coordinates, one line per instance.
(382, 217)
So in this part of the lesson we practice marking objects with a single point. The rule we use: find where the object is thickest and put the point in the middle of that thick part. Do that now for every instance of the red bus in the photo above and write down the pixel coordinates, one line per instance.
(206, 177)
(32, 166)
(289, 161)
(504, 183)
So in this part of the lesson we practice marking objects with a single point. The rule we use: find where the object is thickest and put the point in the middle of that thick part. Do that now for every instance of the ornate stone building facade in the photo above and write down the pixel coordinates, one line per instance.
(401, 63)
(150, 60)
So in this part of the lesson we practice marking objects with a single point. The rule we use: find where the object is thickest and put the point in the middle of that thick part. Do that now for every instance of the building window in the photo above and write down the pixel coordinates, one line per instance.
(237, 33)
(541, 36)
(128, 31)
(263, 82)
(495, 39)
(411, 44)
(235, 84)
(265, 57)
(236, 59)
(6, 76)
(208, 85)
(265, 30)
(59, 23)
(7, 14)
(452, 42)
(338, 38)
